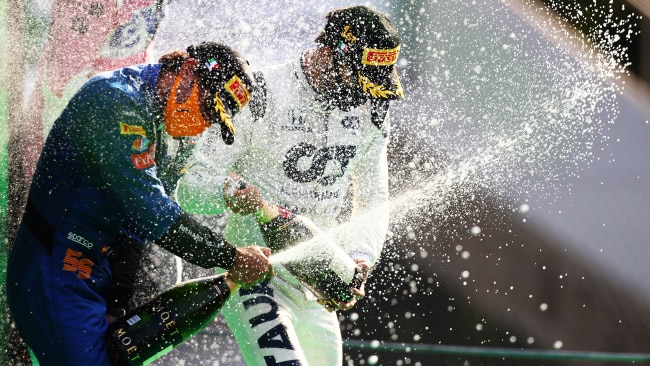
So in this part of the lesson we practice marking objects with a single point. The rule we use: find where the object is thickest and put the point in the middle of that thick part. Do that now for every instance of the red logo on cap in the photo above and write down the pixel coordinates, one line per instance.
(379, 57)
(238, 90)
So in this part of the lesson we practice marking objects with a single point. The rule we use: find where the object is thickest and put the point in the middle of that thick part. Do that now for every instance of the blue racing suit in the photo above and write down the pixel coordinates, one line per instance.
(97, 178)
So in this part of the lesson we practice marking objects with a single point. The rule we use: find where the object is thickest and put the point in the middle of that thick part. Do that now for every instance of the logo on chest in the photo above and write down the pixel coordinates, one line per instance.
(306, 163)
(144, 159)
(296, 122)
(351, 122)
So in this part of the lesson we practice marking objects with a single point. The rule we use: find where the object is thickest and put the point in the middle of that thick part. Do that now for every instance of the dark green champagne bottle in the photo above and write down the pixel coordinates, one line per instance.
(172, 317)
(286, 229)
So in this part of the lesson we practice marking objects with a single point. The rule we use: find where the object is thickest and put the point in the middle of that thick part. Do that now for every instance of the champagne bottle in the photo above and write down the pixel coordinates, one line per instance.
(173, 316)
(283, 229)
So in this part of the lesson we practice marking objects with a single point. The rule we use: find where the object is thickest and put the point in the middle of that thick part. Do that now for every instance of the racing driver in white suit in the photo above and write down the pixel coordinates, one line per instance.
(318, 127)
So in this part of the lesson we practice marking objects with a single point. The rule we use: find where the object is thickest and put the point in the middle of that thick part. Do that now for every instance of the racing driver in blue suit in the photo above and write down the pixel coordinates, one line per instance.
(99, 177)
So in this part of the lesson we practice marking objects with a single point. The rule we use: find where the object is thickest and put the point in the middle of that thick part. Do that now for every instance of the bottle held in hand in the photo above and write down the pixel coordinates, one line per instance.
(323, 281)
(178, 313)
(283, 229)
(286, 229)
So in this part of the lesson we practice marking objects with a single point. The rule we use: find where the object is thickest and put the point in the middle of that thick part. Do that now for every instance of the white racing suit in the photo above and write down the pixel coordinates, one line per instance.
(304, 158)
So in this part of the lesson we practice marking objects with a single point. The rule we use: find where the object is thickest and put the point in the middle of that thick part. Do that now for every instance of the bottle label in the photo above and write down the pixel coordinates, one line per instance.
(134, 319)
(153, 329)
(146, 333)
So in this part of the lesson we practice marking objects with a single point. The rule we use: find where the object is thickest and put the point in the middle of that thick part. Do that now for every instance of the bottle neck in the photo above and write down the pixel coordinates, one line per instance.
(266, 213)
(231, 284)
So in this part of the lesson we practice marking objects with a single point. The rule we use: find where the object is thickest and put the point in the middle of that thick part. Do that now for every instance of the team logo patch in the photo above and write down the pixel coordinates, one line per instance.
(238, 90)
(145, 159)
(141, 144)
(126, 129)
(379, 57)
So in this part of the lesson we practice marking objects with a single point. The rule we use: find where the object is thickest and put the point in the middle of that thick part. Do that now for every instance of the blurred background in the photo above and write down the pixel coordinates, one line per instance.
(520, 182)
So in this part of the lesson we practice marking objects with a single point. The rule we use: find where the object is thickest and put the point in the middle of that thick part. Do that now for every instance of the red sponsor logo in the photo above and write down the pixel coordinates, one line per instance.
(378, 57)
(238, 90)
(145, 159)
(74, 261)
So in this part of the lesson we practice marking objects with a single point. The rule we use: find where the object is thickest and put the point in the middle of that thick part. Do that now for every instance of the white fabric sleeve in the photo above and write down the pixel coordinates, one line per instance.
(200, 190)
(363, 235)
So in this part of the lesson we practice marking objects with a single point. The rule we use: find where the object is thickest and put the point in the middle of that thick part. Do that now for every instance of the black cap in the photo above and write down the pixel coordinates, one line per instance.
(227, 74)
(367, 40)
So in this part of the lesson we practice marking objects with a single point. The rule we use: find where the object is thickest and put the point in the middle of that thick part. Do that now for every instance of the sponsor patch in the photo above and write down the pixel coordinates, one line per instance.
(379, 57)
(145, 159)
(79, 240)
(238, 90)
(141, 144)
(126, 129)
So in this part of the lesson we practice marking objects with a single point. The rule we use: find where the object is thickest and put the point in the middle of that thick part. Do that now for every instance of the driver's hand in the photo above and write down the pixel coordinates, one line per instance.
(357, 288)
(251, 266)
(241, 197)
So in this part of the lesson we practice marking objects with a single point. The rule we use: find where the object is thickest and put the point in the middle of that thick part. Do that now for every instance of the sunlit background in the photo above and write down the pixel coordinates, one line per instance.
(520, 181)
